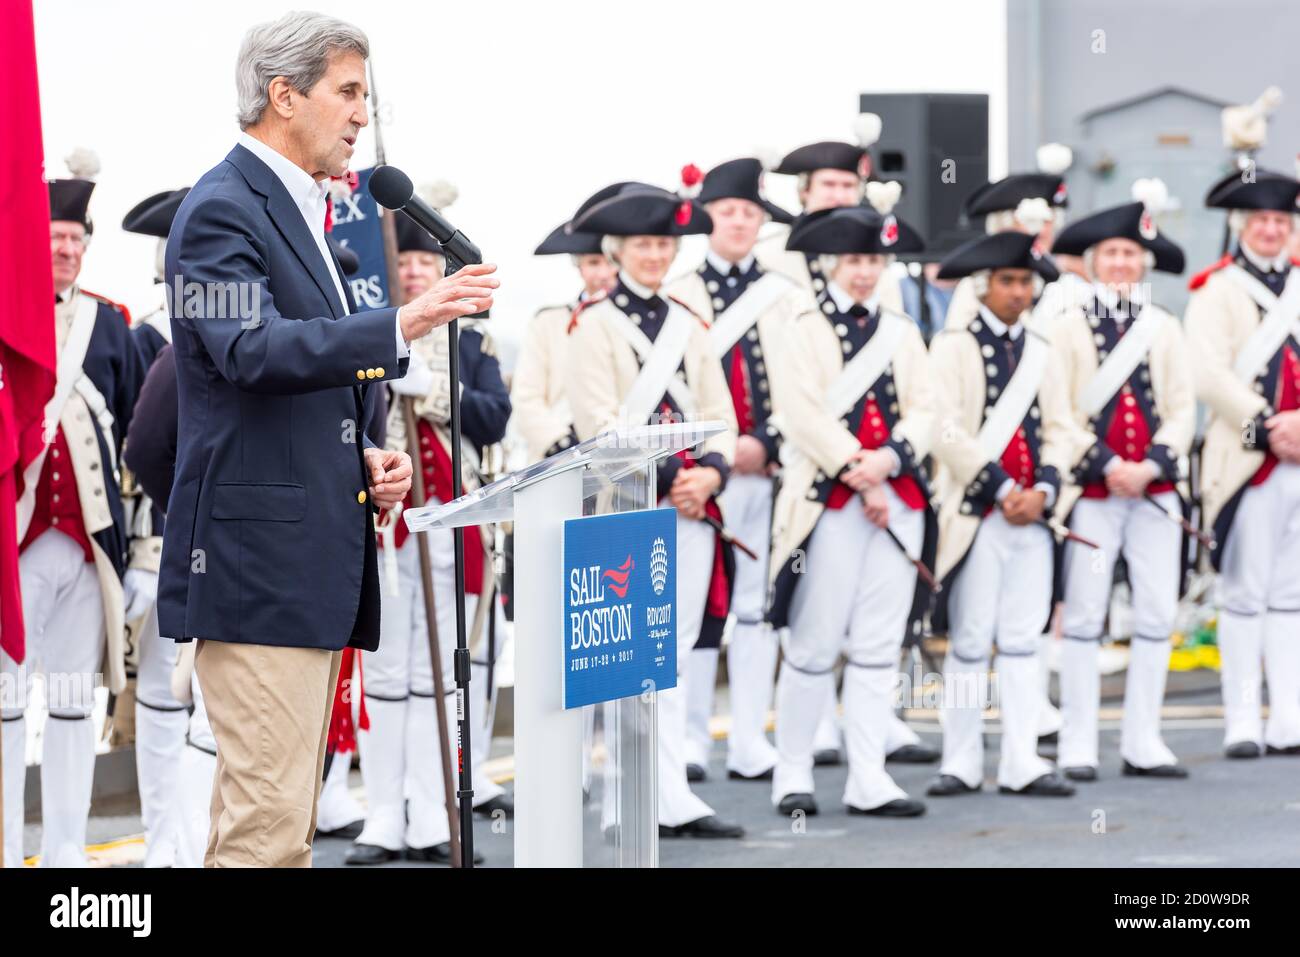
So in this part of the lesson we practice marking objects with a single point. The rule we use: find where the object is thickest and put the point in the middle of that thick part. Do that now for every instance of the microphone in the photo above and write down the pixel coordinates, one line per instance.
(392, 189)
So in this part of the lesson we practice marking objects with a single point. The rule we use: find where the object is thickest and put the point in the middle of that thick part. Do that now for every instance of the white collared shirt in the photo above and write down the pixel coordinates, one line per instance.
(1279, 263)
(844, 302)
(645, 292)
(997, 326)
(311, 199)
(723, 266)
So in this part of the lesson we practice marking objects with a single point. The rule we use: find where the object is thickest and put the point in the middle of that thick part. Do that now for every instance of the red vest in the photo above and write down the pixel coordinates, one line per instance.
(57, 504)
(1129, 437)
(1287, 399)
(872, 435)
(741, 393)
(433, 459)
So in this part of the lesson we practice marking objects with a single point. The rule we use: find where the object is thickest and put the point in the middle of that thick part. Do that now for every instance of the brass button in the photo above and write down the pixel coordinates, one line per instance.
(361, 498)
(361, 373)
(370, 373)
(379, 372)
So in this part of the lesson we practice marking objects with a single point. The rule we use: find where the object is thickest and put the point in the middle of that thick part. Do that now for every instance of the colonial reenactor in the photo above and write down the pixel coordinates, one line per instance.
(74, 546)
(747, 310)
(858, 415)
(400, 764)
(541, 409)
(1004, 435)
(1028, 203)
(160, 718)
(1241, 328)
(636, 356)
(1127, 372)
(830, 173)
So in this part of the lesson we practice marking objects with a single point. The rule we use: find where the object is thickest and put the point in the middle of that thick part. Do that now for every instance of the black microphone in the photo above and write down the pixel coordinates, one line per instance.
(392, 189)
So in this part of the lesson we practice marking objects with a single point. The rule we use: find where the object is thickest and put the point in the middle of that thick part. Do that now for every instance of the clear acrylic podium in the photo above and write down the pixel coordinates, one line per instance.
(613, 472)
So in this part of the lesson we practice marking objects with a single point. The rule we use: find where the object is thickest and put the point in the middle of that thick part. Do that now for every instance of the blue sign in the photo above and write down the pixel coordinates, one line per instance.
(356, 226)
(620, 598)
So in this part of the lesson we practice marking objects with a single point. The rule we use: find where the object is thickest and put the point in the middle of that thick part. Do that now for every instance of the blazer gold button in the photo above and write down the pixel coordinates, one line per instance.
(370, 373)
(361, 498)
(379, 372)
(361, 373)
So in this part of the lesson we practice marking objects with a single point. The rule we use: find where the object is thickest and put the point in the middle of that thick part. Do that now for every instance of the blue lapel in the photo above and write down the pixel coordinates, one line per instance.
(288, 220)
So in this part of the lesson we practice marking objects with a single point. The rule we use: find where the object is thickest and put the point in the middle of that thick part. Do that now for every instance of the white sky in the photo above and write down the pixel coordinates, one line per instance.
(526, 107)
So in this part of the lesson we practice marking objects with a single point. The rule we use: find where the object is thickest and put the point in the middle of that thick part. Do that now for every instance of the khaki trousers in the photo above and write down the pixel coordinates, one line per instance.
(269, 708)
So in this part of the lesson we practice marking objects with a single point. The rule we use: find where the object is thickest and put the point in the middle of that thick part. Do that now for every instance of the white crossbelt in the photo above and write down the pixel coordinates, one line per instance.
(1280, 320)
(759, 296)
(1132, 348)
(1009, 412)
(659, 363)
(867, 366)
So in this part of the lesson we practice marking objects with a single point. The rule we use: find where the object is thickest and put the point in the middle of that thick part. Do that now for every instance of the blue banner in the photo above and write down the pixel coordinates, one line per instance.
(356, 226)
(620, 621)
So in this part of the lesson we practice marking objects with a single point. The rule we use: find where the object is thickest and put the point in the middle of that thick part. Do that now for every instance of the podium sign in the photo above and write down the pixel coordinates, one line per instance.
(620, 620)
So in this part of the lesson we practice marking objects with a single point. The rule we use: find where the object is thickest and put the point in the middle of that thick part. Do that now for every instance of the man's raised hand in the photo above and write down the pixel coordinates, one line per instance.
(464, 293)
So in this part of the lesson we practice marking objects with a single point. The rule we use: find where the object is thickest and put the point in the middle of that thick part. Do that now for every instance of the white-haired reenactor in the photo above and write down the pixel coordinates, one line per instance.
(858, 415)
(748, 310)
(1241, 328)
(81, 581)
(636, 356)
(1127, 371)
(541, 408)
(1004, 435)
(400, 766)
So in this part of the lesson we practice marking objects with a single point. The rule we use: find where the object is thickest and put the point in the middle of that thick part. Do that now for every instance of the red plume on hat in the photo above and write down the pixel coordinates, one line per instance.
(692, 177)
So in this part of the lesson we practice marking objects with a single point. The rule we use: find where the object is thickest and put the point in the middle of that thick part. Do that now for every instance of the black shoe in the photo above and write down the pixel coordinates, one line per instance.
(1082, 772)
(502, 802)
(1290, 749)
(369, 854)
(1242, 750)
(436, 854)
(799, 801)
(1159, 771)
(348, 832)
(1049, 738)
(737, 776)
(827, 758)
(711, 826)
(899, 807)
(913, 754)
(695, 773)
(1050, 784)
(947, 785)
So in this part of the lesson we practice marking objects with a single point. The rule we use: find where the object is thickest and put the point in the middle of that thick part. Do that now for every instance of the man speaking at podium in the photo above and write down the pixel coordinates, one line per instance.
(269, 552)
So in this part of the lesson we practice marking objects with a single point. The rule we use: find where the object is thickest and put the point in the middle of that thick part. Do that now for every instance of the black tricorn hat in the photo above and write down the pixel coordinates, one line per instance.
(1131, 221)
(829, 154)
(1007, 193)
(1255, 189)
(564, 239)
(740, 179)
(642, 210)
(1009, 250)
(853, 229)
(153, 216)
(70, 200)
(411, 238)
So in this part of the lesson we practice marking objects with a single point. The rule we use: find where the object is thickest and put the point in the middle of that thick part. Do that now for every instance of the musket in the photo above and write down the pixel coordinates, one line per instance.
(388, 229)
(1204, 538)
(1059, 530)
(728, 537)
(922, 570)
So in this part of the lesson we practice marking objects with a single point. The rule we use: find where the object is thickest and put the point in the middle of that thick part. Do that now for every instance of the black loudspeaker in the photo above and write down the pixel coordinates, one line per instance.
(936, 145)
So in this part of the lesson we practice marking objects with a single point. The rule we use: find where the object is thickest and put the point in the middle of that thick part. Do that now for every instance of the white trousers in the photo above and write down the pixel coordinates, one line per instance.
(160, 725)
(1002, 594)
(64, 617)
(198, 766)
(1149, 543)
(677, 803)
(752, 646)
(855, 599)
(1260, 619)
(401, 765)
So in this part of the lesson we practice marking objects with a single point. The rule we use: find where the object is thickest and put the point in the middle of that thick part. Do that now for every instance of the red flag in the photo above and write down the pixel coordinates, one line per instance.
(27, 352)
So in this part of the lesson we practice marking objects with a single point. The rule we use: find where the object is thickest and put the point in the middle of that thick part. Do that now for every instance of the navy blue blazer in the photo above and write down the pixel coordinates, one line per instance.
(270, 535)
